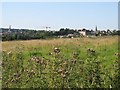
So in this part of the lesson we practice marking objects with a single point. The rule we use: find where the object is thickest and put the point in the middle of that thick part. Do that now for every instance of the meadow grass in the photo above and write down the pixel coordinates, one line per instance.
(72, 67)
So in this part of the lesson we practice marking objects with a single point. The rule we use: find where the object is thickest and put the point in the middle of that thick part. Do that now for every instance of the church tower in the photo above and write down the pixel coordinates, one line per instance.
(96, 28)
(9, 28)
(96, 31)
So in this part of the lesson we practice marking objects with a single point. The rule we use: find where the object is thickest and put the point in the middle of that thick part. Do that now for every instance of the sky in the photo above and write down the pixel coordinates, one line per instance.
(74, 15)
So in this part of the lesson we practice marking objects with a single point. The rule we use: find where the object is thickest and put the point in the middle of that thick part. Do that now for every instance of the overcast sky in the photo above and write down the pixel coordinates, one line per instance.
(76, 15)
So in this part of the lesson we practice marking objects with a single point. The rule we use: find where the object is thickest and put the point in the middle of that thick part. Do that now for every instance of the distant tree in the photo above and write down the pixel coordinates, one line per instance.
(109, 32)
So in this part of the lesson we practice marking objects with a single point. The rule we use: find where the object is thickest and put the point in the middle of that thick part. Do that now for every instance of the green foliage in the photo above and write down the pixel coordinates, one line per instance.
(48, 68)
(25, 34)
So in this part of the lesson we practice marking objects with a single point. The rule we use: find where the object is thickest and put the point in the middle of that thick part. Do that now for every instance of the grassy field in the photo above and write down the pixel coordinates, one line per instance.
(61, 63)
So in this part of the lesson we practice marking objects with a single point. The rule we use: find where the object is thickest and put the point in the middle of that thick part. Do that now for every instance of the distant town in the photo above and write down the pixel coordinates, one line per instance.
(8, 34)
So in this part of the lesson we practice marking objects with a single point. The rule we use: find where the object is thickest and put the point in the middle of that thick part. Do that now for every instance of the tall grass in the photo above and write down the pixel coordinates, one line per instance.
(80, 63)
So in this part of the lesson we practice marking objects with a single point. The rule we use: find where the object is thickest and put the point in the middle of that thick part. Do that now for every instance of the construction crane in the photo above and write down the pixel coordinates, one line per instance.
(46, 28)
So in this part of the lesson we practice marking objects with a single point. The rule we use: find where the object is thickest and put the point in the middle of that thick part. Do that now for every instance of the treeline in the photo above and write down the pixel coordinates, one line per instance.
(26, 34)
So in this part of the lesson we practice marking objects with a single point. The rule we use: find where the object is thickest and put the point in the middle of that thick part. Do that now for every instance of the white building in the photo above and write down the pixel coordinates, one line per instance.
(82, 33)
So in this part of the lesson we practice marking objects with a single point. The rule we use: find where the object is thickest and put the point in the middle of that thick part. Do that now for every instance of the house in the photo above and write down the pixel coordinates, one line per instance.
(82, 32)
(85, 32)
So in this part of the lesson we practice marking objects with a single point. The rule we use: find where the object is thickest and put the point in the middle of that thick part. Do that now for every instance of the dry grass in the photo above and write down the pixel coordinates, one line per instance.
(10, 45)
(33, 63)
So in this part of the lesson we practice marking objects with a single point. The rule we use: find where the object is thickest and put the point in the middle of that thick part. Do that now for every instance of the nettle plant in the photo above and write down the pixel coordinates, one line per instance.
(55, 71)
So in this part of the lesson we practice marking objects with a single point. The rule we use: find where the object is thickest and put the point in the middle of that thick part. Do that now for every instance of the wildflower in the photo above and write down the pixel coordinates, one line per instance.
(33, 58)
(37, 61)
(56, 50)
(16, 74)
(12, 80)
(75, 54)
(91, 51)
(110, 86)
(49, 53)
(65, 63)
(31, 73)
(60, 71)
(63, 75)
(88, 49)
(27, 70)
(73, 61)
(6, 83)
(66, 72)
(60, 64)
(41, 62)
(117, 54)
(9, 53)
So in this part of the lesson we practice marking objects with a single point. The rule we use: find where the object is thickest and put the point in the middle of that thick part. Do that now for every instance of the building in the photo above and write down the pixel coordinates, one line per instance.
(9, 30)
(85, 32)
(82, 32)
(97, 32)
